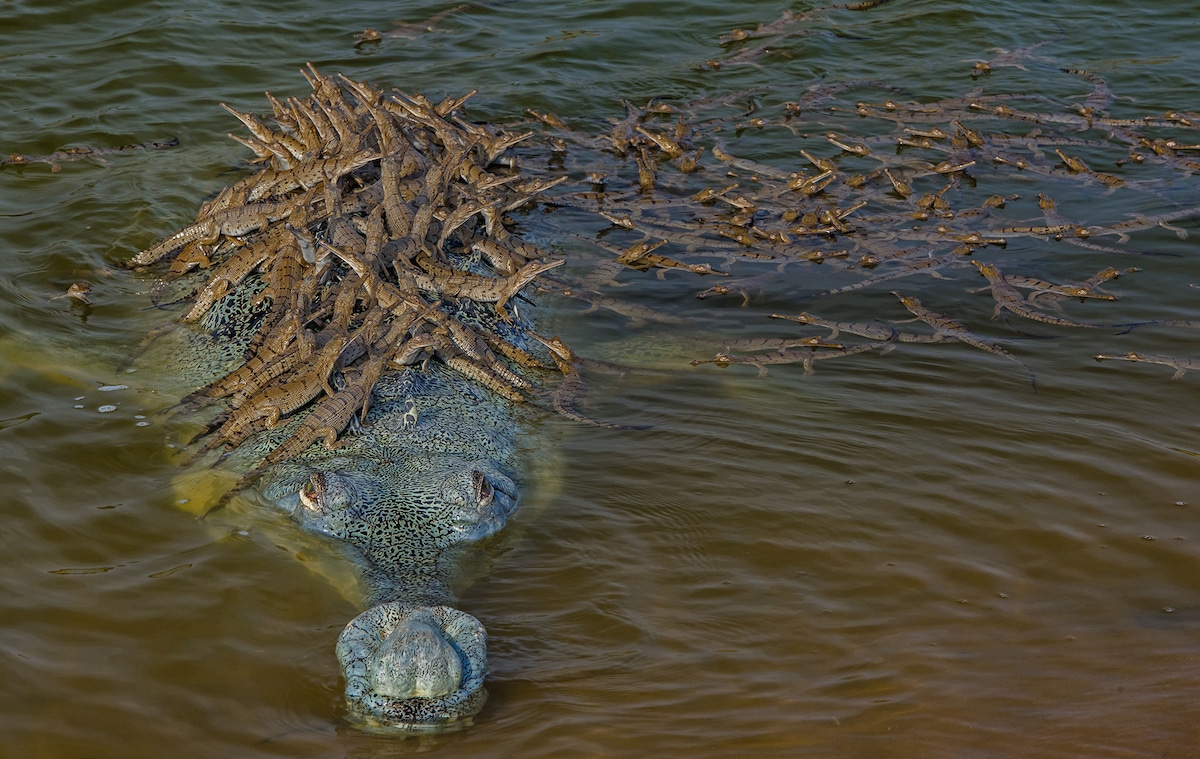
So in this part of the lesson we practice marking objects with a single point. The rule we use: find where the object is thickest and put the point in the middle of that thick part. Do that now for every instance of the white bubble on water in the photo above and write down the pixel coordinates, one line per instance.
(106, 409)
(110, 388)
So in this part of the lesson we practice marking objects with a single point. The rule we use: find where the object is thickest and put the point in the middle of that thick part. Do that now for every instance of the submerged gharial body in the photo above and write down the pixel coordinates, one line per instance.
(408, 492)
(366, 375)
(429, 474)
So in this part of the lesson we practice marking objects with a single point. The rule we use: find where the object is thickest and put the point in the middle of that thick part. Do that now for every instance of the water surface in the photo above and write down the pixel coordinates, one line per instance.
(910, 554)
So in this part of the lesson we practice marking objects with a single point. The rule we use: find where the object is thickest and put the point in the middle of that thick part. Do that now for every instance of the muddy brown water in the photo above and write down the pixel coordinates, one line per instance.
(910, 554)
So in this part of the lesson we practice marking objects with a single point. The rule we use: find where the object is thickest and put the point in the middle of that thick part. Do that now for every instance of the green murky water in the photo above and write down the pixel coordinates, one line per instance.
(903, 555)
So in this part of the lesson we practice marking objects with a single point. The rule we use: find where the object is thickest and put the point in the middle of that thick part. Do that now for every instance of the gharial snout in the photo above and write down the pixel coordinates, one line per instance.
(414, 667)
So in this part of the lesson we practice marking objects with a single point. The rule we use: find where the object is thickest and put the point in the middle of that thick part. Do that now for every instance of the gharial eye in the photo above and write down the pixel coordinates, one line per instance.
(310, 492)
(484, 493)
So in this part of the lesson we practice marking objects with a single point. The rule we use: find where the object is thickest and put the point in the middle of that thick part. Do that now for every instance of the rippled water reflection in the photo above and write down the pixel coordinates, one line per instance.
(902, 555)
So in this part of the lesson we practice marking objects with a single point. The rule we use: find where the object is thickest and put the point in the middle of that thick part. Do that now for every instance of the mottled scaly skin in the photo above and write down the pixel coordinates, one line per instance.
(406, 487)
(427, 670)
(428, 474)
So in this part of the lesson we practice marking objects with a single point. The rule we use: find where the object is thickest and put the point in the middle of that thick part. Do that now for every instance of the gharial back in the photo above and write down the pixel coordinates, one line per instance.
(377, 241)
(212, 348)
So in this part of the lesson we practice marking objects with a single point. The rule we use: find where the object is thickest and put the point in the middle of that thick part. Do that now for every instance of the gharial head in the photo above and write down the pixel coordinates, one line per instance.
(396, 512)
(411, 662)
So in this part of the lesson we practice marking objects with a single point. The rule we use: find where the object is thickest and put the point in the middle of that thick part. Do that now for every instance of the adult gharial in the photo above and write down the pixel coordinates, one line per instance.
(351, 317)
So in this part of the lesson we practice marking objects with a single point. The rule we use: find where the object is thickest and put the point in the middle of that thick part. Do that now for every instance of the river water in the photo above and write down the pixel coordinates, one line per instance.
(912, 554)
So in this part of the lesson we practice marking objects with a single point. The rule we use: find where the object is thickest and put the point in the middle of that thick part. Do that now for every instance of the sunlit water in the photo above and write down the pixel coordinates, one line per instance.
(902, 555)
